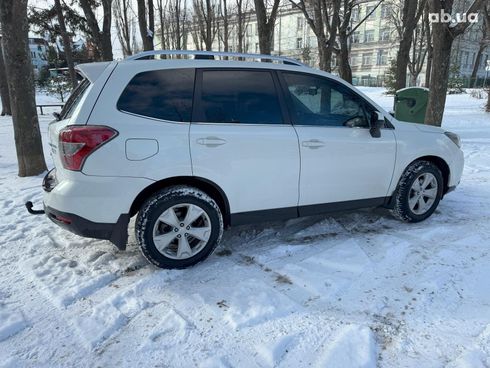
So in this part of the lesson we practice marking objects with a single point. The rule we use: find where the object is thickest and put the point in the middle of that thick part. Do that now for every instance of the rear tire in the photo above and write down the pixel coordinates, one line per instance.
(178, 227)
(419, 192)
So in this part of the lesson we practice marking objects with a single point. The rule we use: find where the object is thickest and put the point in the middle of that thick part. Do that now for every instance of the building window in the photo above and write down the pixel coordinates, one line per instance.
(370, 9)
(382, 57)
(369, 36)
(385, 11)
(355, 14)
(466, 59)
(384, 34)
(355, 59)
(299, 24)
(356, 37)
(299, 43)
(367, 59)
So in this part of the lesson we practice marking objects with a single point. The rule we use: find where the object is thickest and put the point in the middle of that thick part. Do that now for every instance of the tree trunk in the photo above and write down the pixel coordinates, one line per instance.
(240, 25)
(323, 63)
(442, 38)
(143, 25)
(123, 26)
(411, 13)
(443, 42)
(428, 67)
(4, 89)
(345, 71)
(265, 25)
(476, 66)
(484, 43)
(226, 27)
(402, 57)
(100, 39)
(208, 40)
(15, 28)
(65, 37)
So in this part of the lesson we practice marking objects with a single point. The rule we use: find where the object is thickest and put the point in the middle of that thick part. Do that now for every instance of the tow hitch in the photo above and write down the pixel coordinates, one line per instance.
(29, 206)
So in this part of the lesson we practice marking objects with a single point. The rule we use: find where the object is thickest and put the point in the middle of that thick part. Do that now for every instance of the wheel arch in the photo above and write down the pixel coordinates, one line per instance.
(442, 165)
(436, 160)
(207, 186)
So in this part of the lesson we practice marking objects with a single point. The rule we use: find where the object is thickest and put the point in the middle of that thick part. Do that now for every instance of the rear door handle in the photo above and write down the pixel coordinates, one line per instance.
(211, 141)
(313, 143)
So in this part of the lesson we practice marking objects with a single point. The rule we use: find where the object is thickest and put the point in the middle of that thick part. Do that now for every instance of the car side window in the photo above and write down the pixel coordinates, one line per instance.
(322, 102)
(238, 96)
(161, 94)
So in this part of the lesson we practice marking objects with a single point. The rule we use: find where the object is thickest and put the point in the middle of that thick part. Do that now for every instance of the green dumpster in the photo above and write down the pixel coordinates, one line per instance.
(411, 104)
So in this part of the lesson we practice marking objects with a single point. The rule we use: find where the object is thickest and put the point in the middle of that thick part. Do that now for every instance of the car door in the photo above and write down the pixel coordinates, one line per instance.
(240, 141)
(341, 163)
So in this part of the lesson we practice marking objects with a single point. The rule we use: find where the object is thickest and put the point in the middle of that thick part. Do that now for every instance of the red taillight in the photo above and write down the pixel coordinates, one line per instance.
(77, 142)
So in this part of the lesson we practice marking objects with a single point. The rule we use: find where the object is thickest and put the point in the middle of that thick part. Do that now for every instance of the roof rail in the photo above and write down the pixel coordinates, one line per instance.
(211, 55)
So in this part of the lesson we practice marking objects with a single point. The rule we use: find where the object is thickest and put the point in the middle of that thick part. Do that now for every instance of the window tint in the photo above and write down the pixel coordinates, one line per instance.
(161, 94)
(319, 101)
(239, 96)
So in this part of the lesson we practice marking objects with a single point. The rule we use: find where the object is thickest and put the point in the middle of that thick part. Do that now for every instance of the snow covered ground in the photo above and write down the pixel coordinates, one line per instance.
(350, 290)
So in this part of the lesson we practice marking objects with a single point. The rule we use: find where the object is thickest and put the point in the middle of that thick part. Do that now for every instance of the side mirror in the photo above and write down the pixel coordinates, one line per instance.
(57, 116)
(377, 122)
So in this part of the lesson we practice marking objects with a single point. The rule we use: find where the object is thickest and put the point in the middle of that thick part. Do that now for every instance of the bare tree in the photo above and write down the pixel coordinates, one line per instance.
(442, 41)
(15, 28)
(405, 16)
(205, 12)
(224, 32)
(124, 25)
(66, 40)
(484, 43)
(4, 89)
(266, 24)
(146, 23)
(242, 19)
(173, 23)
(344, 34)
(324, 22)
(418, 52)
(428, 42)
(100, 38)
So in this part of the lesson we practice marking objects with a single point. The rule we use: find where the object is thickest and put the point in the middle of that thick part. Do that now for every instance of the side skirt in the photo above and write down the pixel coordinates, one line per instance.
(278, 214)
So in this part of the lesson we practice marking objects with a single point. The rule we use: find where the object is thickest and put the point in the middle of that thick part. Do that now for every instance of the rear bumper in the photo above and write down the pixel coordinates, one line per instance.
(117, 233)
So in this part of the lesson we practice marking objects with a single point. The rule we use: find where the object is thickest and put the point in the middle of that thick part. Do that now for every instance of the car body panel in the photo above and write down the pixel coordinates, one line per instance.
(258, 169)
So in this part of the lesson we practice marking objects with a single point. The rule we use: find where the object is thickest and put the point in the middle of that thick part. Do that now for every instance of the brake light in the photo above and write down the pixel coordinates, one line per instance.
(77, 142)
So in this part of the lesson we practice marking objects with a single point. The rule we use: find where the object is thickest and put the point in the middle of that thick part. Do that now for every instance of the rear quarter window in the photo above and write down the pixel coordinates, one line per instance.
(160, 94)
(74, 100)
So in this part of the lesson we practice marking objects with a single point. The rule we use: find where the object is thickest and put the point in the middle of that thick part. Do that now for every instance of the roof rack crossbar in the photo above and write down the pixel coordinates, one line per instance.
(209, 54)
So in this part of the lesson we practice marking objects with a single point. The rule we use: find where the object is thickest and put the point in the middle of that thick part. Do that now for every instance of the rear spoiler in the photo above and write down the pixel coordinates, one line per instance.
(92, 71)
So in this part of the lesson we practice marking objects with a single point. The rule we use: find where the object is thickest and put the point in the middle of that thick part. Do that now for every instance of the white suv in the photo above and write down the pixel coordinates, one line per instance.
(192, 145)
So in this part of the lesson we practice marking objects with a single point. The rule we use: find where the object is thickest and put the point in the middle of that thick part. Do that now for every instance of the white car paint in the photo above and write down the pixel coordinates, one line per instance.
(259, 167)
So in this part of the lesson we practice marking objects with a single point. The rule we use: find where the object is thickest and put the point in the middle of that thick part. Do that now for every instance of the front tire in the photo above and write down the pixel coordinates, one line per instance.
(178, 227)
(419, 192)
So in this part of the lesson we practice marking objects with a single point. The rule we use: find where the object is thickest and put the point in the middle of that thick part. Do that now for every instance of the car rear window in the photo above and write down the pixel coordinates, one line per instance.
(161, 94)
(74, 99)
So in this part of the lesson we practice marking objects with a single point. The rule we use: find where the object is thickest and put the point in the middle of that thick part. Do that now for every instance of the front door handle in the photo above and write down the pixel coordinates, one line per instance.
(211, 141)
(313, 143)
